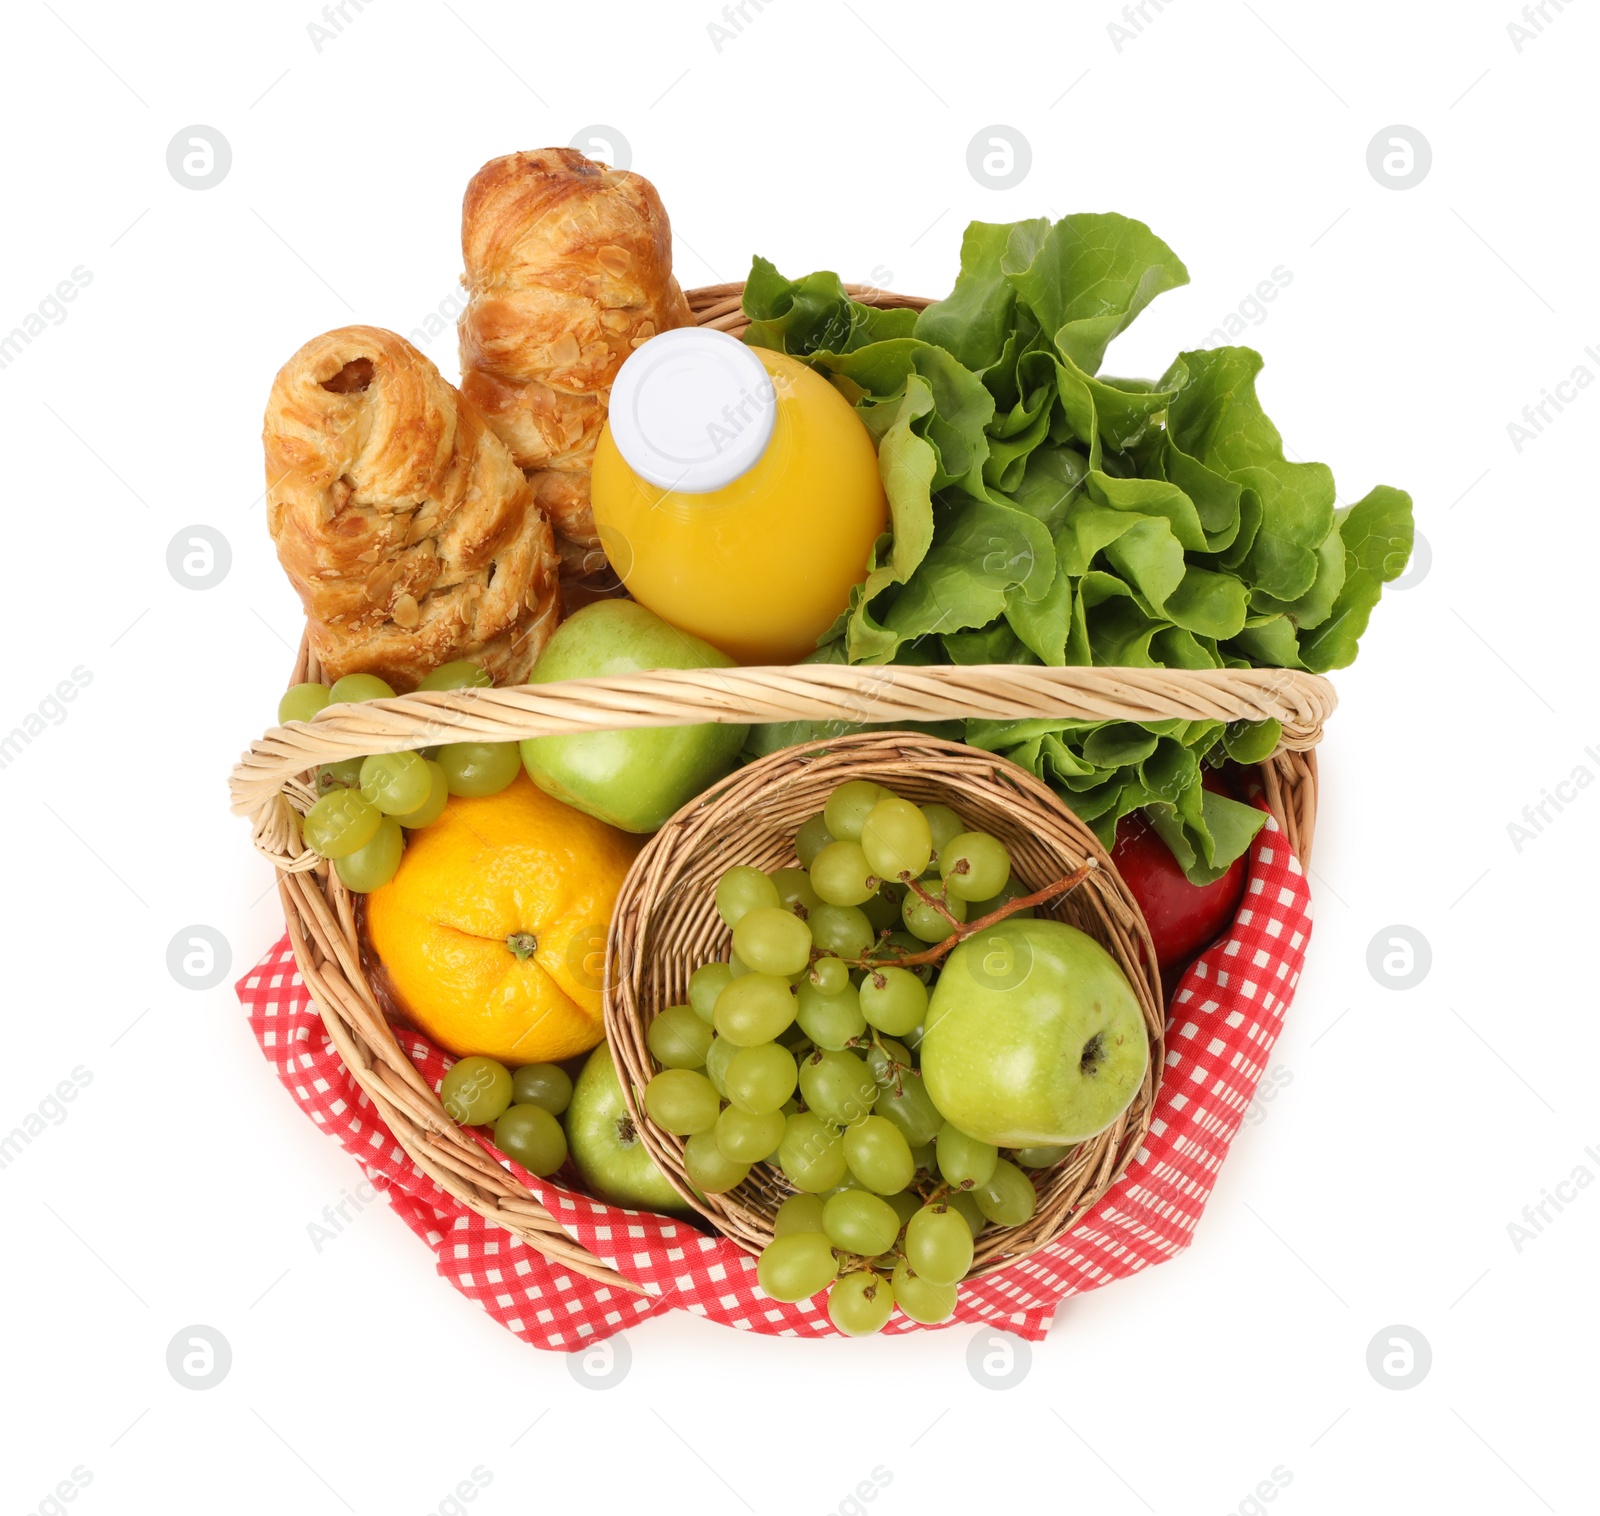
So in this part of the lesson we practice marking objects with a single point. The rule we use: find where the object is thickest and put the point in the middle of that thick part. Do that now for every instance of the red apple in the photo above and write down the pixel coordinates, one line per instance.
(1183, 917)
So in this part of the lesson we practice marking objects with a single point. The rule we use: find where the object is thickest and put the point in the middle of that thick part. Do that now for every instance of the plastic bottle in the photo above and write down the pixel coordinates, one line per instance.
(736, 493)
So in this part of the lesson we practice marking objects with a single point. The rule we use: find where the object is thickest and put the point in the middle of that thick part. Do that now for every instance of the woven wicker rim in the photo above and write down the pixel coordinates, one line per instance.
(269, 785)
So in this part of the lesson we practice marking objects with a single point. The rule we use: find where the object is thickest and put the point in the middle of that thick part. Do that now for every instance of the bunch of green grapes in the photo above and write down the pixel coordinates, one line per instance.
(366, 804)
(799, 1051)
(521, 1108)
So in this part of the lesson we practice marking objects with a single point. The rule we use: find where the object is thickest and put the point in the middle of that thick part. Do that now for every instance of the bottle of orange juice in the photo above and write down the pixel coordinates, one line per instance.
(736, 493)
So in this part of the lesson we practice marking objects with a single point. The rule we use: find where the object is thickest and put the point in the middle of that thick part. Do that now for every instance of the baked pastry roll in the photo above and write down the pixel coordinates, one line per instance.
(399, 516)
(568, 269)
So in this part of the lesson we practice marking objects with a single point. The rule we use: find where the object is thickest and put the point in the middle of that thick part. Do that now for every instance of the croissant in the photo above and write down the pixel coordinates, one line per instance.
(568, 269)
(409, 533)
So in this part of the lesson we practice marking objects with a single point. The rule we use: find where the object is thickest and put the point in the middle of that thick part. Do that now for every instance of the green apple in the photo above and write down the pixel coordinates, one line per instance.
(633, 779)
(1034, 1036)
(606, 1148)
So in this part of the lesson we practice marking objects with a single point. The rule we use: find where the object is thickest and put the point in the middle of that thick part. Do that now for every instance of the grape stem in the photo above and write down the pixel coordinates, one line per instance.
(939, 902)
(961, 930)
(893, 1068)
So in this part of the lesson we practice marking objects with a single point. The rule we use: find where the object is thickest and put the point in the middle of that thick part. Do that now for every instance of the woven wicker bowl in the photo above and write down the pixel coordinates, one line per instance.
(666, 926)
(269, 787)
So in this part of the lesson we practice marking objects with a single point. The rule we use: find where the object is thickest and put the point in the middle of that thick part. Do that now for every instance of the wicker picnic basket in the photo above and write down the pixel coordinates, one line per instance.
(665, 923)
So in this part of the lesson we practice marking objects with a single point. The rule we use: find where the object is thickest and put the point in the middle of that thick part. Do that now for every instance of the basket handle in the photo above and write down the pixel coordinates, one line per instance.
(266, 780)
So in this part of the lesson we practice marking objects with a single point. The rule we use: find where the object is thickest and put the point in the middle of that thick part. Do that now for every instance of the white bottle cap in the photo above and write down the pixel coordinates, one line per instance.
(692, 409)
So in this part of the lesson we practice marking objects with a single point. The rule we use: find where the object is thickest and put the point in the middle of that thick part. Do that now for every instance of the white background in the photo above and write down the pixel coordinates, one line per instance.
(1408, 1129)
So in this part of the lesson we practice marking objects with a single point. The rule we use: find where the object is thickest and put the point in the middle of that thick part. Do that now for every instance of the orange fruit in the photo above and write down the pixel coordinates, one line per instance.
(492, 934)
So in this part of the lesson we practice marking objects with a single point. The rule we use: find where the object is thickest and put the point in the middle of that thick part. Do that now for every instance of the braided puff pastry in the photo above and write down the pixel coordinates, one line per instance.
(411, 536)
(569, 268)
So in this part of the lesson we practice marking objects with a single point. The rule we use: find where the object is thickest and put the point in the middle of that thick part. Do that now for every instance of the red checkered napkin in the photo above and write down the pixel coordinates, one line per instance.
(1225, 1017)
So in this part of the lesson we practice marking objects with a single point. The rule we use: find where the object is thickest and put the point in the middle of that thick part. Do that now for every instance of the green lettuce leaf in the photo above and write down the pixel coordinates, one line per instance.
(1216, 418)
(973, 322)
(1087, 277)
(1043, 512)
(814, 314)
(1377, 534)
